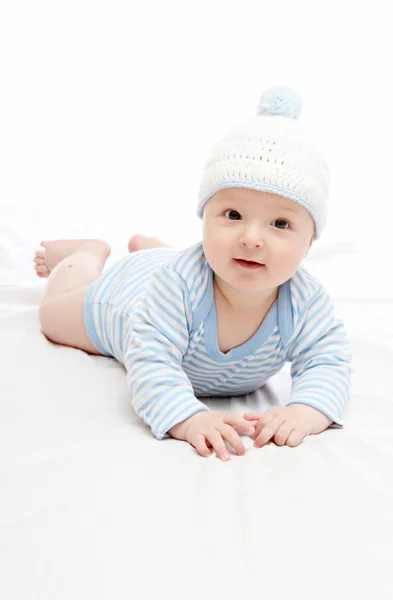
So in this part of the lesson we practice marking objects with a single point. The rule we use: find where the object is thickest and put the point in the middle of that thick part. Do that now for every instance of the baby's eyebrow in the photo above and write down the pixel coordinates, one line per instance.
(288, 209)
(242, 204)
(277, 208)
(236, 201)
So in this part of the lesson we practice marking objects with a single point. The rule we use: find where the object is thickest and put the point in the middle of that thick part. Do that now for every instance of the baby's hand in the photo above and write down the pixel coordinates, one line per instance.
(211, 428)
(287, 424)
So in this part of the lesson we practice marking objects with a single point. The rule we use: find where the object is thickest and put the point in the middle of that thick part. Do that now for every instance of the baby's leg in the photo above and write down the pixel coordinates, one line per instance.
(143, 242)
(72, 265)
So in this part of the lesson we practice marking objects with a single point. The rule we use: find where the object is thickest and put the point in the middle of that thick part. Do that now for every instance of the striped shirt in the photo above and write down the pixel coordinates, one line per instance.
(154, 311)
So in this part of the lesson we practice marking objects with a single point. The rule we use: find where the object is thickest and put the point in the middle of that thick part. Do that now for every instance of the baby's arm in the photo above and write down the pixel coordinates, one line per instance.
(162, 394)
(158, 338)
(321, 357)
(321, 361)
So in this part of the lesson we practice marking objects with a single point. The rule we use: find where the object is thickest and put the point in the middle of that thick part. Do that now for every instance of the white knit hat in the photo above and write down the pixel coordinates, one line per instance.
(271, 153)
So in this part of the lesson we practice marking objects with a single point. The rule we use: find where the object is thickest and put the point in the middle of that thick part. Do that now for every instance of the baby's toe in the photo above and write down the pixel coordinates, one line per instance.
(42, 270)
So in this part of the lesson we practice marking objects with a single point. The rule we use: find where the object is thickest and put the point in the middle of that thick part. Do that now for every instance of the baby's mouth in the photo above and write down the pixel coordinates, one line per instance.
(248, 264)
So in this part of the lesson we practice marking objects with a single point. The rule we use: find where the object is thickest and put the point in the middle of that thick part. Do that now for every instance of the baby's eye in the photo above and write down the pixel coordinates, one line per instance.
(233, 215)
(281, 221)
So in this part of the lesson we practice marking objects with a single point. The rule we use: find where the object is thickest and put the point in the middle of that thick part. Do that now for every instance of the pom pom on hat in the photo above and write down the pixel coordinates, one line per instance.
(280, 101)
(272, 153)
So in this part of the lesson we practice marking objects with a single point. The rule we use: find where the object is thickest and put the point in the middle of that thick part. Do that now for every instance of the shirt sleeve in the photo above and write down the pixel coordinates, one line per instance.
(321, 361)
(162, 394)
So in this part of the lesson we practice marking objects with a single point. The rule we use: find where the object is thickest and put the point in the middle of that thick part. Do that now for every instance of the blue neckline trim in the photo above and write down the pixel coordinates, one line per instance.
(280, 306)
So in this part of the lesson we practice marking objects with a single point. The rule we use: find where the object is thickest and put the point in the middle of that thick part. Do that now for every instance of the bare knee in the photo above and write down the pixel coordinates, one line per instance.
(49, 320)
(61, 320)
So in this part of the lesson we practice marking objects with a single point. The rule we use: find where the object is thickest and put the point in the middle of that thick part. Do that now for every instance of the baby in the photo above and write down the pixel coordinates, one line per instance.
(223, 316)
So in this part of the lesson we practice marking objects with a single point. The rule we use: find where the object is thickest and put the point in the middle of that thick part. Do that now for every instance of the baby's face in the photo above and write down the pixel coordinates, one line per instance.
(258, 226)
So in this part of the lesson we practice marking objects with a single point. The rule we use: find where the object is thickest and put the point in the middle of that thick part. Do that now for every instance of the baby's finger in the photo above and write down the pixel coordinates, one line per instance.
(218, 444)
(264, 420)
(282, 434)
(240, 424)
(246, 428)
(199, 444)
(252, 416)
(268, 431)
(295, 438)
(230, 435)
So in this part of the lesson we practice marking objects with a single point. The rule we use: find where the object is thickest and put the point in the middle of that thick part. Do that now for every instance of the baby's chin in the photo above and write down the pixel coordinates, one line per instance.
(248, 285)
(255, 282)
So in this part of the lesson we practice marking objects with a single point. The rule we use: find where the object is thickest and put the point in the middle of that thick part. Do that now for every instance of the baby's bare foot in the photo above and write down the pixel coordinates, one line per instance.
(46, 260)
(143, 242)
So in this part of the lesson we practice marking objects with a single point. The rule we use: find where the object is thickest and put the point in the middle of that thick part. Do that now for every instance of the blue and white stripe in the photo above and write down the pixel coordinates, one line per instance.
(154, 312)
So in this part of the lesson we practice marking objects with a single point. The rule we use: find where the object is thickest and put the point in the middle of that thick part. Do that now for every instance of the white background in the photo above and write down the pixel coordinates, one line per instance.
(108, 110)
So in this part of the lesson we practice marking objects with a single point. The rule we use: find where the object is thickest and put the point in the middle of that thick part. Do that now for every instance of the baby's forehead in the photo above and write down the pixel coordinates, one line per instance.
(255, 200)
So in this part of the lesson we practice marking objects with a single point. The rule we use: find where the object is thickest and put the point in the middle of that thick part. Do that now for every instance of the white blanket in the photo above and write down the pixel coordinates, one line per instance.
(93, 506)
